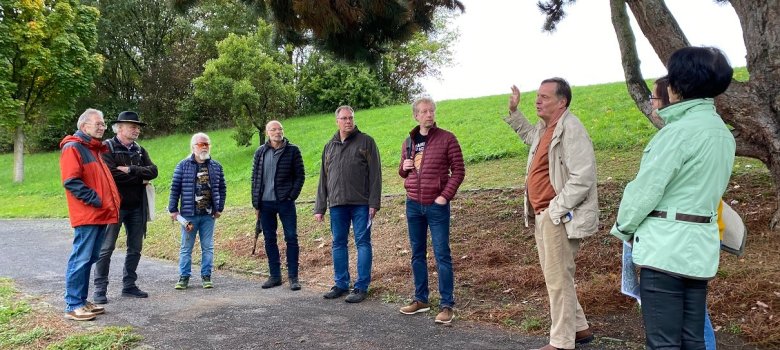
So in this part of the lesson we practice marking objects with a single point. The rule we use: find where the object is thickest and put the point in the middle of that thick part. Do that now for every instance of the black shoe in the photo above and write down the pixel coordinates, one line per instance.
(335, 292)
(294, 284)
(272, 282)
(134, 292)
(356, 296)
(99, 298)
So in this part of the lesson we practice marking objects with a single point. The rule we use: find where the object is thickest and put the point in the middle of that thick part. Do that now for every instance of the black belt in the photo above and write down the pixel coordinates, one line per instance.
(682, 217)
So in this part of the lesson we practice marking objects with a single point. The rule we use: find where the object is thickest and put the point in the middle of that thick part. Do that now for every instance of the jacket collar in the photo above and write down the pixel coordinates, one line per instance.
(90, 141)
(677, 110)
(337, 137)
(285, 142)
(416, 130)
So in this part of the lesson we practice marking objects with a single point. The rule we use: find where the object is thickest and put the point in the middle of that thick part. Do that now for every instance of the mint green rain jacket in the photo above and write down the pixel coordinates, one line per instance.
(684, 169)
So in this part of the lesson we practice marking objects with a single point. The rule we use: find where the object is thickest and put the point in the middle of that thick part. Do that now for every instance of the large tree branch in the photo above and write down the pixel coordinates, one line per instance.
(659, 27)
(635, 83)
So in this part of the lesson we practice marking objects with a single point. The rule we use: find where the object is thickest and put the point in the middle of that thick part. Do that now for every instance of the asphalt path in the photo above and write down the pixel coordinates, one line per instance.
(237, 313)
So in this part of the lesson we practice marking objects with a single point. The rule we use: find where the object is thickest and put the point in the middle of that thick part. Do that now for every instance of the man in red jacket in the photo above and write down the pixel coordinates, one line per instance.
(432, 168)
(93, 204)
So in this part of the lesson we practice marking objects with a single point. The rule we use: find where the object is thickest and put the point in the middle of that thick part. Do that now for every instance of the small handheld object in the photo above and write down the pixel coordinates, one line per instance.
(184, 223)
(258, 231)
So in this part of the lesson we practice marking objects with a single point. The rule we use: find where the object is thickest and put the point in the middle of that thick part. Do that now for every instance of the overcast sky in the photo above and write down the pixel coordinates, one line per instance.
(501, 43)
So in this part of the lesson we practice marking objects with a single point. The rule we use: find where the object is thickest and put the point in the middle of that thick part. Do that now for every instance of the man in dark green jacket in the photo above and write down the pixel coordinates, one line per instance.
(351, 186)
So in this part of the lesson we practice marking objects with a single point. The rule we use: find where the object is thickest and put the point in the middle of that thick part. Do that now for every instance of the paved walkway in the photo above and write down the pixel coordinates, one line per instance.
(237, 313)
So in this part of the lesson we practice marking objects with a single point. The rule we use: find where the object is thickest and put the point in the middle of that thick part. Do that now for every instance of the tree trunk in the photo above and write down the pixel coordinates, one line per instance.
(751, 108)
(19, 154)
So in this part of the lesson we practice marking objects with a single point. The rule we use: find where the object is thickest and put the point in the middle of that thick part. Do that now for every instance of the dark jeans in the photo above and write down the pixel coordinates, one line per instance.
(673, 310)
(419, 218)
(135, 229)
(286, 212)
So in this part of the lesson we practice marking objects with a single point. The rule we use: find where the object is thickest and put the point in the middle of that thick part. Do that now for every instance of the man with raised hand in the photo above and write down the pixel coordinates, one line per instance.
(560, 188)
(351, 187)
(277, 180)
(132, 170)
(432, 168)
(93, 204)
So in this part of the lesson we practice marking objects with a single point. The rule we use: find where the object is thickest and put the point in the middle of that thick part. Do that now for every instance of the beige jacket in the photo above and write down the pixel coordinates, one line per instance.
(572, 172)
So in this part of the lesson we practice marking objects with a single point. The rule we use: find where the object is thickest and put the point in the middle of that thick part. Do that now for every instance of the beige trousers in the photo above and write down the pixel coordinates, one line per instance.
(556, 255)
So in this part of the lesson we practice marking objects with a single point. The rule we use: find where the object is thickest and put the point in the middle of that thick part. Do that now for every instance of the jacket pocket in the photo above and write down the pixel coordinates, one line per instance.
(584, 223)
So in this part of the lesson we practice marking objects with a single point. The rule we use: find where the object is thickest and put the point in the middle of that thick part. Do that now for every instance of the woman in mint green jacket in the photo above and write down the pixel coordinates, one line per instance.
(669, 210)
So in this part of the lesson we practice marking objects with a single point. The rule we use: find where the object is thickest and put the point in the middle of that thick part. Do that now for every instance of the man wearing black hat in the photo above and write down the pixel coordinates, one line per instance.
(132, 170)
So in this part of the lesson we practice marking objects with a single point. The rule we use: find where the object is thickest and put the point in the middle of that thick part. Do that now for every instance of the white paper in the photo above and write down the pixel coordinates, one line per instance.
(629, 282)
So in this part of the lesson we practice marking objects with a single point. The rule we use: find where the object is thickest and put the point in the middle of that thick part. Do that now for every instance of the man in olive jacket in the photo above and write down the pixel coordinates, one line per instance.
(561, 191)
(351, 186)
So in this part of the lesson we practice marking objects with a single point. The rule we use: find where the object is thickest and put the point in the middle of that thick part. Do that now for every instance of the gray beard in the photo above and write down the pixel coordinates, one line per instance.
(204, 156)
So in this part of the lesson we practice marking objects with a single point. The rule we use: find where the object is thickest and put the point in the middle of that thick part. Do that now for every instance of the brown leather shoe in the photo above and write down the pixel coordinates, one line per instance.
(583, 337)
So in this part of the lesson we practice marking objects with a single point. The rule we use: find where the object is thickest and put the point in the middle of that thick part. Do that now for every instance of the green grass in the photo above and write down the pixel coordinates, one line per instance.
(17, 329)
(495, 156)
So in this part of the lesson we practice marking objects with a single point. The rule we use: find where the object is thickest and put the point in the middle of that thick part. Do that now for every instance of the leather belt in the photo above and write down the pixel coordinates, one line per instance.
(682, 217)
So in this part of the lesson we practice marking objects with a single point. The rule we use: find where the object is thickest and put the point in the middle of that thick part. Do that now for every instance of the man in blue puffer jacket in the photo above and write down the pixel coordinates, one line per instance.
(199, 183)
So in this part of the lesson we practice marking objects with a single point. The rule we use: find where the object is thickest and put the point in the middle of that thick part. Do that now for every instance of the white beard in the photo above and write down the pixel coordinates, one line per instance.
(203, 156)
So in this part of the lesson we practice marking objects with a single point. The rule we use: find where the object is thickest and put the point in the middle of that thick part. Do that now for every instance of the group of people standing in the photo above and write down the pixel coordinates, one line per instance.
(668, 212)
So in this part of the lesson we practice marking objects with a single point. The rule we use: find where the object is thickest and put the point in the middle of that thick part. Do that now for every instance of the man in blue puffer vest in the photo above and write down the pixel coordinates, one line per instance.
(199, 183)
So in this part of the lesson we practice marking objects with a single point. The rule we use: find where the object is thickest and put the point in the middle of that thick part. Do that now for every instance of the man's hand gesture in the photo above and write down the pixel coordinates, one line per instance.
(514, 99)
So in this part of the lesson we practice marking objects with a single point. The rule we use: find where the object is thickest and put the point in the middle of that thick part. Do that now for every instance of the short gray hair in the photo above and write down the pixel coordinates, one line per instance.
(85, 116)
(344, 107)
(425, 99)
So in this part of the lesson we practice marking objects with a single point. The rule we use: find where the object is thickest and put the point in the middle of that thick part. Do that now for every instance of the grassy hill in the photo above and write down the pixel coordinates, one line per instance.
(606, 110)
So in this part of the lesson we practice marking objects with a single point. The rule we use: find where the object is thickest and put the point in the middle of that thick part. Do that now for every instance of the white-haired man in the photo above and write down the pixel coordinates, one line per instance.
(197, 195)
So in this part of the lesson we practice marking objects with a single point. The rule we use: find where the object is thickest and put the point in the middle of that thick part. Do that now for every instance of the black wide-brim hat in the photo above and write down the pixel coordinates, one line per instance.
(128, 117)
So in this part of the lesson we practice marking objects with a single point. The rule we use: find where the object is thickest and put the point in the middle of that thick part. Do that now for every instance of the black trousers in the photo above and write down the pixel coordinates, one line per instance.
(673, 310)
(135, 229)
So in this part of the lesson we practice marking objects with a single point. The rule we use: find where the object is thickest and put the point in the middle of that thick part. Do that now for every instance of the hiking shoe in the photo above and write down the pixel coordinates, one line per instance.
(206, 282)
(272, 282)
(184, 281)
(294, 284)
(100, 298)
(80, 314)
(335, 292)
(356, 296)
(134, 292)
(445, 316)
(415, 307)
(97, 310)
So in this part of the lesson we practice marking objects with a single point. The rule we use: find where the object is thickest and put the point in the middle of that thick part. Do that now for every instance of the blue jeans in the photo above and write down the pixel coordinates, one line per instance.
(286, 212)
(419, 218)
(673, 310)
(709, 333)
(204, 226)
(340, 218)
(87, 240)
(135, 229)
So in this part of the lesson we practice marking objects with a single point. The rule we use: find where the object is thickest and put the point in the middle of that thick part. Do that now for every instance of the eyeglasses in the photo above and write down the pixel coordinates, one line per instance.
(99, 125)
(346, 118)
(653, 97)
(202, 144)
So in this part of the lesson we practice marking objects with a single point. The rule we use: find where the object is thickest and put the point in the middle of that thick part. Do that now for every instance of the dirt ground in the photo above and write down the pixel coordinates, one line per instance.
(498, 279)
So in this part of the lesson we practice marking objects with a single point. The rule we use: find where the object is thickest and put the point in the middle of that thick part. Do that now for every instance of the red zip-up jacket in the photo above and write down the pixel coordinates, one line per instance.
(93, 198)
(441, 168)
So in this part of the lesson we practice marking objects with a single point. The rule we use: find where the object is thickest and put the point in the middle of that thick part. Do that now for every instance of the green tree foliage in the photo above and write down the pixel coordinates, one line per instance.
(46, 63)
(356, 30)
(152, 54)
(326, 83)
(251, 79)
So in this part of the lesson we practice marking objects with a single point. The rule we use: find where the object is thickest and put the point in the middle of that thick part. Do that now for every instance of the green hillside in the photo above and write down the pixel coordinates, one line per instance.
(614, 123)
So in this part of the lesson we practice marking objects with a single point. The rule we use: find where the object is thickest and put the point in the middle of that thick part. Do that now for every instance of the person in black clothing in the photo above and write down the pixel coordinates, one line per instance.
(277, 180)
(132, 169)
